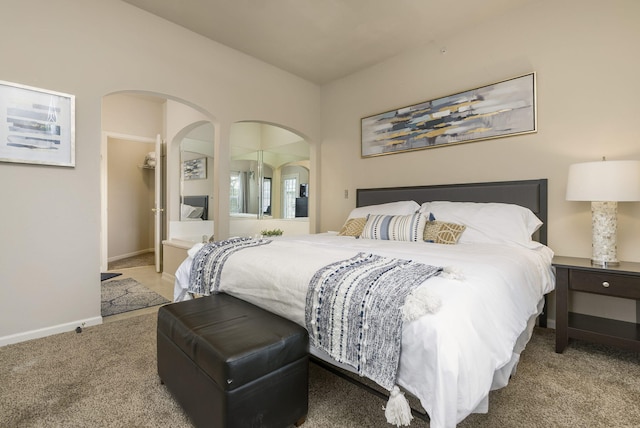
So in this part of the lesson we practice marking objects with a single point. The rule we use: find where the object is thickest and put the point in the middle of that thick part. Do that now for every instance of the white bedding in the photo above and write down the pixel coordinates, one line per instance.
(450, 359)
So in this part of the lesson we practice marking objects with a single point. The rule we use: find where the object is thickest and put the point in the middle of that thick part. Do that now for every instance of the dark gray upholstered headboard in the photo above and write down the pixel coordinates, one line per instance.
(198, 201)
(531, 194)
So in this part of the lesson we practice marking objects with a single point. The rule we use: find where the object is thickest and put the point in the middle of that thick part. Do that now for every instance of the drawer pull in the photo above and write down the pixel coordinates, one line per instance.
(605, 284)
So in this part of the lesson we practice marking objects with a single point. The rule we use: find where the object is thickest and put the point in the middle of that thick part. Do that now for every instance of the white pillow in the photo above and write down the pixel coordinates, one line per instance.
(196, 213)
(186, 210)
(391, 208)
(487, 222)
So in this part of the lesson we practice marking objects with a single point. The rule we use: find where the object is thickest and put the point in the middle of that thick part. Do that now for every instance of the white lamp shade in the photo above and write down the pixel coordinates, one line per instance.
(604, 181)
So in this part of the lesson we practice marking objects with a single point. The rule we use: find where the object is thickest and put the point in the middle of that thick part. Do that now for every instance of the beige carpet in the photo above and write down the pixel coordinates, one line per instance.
(106, 376)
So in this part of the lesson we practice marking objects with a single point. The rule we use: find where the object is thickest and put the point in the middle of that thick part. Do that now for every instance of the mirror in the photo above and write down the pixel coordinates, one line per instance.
(269, 172)
(196, 176)
(243, 196)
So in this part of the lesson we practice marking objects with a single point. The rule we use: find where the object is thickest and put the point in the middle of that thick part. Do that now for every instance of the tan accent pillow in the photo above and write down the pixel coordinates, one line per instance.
(353, 227)
(440, 232)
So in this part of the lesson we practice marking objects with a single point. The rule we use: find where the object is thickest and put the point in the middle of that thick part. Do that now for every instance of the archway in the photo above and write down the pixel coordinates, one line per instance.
(140, 116)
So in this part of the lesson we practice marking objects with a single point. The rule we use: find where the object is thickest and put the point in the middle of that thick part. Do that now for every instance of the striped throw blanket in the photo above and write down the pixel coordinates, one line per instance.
(353, 311)
(206, 269)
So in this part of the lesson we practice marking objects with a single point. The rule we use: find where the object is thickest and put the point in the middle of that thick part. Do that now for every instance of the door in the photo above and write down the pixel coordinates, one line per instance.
(157, 205)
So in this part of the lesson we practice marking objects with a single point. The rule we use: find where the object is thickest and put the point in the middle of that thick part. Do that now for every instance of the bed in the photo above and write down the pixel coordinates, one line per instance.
(475, 317)
(194, 208)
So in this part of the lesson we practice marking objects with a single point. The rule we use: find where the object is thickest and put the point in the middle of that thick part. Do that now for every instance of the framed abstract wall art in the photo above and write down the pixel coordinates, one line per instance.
(36, 126)
(498, 110)
(194, 169)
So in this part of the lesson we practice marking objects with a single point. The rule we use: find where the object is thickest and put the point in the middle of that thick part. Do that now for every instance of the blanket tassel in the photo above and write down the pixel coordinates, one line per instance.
(398, 411)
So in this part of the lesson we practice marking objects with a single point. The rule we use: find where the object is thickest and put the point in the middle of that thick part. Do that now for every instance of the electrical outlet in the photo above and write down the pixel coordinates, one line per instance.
(346, 194)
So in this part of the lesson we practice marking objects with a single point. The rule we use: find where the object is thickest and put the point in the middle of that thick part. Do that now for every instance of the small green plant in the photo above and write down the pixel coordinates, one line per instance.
(272, 232)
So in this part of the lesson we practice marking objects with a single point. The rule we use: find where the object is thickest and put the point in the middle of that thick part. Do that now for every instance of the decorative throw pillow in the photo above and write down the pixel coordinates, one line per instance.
(440, 232)
(353, 227)
(395, 227)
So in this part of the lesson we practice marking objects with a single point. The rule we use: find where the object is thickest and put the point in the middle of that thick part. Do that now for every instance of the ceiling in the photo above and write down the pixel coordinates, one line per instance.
(322, 40)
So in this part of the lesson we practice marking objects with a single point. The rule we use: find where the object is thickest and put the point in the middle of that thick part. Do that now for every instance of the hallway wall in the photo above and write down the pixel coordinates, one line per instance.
(71, 46)
(130, 199)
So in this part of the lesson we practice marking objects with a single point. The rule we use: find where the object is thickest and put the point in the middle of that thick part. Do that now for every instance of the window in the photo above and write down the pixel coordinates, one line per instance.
(235, 193)
(266, 196)
(289, 193)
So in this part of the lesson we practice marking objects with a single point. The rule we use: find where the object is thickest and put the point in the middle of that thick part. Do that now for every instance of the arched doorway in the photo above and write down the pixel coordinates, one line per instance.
(134, 116)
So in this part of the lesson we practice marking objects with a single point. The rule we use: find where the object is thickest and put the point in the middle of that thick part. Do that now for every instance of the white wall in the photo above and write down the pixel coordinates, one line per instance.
(50, 238)
(585, 54)
(124, 114)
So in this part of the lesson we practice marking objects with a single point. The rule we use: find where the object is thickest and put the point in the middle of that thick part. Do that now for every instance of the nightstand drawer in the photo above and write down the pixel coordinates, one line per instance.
(611, 284)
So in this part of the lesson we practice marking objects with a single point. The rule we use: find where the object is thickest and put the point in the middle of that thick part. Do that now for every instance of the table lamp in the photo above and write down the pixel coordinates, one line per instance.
(604, 184)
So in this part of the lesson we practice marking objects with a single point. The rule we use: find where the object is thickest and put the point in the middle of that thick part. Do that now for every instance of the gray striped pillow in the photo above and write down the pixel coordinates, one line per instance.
(395, 227)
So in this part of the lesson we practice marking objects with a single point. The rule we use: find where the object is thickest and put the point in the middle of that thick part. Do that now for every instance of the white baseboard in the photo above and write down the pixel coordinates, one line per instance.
(126, 256)
(48, 331)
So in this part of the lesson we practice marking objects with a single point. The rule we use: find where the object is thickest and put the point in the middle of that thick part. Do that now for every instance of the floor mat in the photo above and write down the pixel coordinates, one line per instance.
(108, 275)
(124, 295)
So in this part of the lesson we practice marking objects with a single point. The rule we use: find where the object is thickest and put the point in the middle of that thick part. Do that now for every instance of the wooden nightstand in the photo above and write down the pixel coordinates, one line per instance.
(578, 274)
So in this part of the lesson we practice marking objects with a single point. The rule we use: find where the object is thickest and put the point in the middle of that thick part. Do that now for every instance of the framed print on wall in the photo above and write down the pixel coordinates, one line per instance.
(502, 109)
(194, 169)
(36, 126)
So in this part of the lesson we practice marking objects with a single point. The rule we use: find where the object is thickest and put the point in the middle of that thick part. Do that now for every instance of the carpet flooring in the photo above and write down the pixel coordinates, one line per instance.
(124, 295)
(106, 376)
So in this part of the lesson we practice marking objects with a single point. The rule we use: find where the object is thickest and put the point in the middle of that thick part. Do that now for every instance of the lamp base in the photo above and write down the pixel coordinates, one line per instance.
(604, 233)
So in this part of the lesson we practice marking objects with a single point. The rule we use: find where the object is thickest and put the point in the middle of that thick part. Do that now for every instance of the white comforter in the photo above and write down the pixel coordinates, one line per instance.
(450, 359)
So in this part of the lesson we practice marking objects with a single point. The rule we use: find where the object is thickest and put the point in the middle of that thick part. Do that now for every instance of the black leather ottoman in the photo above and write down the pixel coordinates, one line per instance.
(231, 364)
